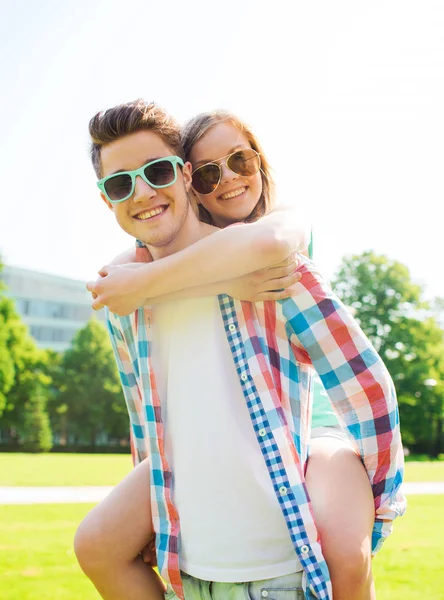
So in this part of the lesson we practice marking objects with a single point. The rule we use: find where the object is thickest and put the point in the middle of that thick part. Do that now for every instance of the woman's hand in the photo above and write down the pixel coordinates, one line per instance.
(119, 287)
(273, 283)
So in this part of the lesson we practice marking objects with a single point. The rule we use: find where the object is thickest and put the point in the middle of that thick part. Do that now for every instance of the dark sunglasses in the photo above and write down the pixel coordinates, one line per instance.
(245, 163)
(159, 173)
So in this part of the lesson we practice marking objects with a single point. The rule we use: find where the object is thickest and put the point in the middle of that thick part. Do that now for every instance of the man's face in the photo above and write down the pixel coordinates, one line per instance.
(154, 216)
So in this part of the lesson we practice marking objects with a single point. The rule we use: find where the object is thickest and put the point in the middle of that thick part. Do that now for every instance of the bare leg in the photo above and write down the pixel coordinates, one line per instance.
(109, 539)
(344, 511)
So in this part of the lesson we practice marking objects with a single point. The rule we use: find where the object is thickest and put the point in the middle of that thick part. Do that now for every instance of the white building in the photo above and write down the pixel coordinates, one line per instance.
(53, 307)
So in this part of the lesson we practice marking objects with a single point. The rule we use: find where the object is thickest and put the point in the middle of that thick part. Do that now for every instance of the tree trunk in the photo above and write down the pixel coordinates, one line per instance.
(438, 441)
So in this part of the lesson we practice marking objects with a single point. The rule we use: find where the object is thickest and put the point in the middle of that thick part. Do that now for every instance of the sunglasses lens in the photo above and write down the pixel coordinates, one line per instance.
(206, 179)
(160, 174)
(118, 187)
(244, 162)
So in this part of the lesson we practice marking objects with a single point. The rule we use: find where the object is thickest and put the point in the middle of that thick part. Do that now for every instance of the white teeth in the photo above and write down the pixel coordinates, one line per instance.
(233, 194)
(150, 213)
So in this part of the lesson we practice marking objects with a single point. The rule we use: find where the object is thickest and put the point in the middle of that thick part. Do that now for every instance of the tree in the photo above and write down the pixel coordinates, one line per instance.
(7, 371)
(29, 391)
(35, 431)
(390, 310)
(91, 388)
(23, 384)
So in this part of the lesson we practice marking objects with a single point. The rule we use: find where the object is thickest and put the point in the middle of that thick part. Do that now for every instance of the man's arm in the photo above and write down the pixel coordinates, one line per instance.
(131, 391)
(358, 384)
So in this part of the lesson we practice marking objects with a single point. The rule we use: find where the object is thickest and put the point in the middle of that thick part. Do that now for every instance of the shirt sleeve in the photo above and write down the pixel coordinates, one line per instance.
(358, 384)
(131, 390)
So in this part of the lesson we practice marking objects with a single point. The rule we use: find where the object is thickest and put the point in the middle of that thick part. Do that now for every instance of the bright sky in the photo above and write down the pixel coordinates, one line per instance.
(347, 98)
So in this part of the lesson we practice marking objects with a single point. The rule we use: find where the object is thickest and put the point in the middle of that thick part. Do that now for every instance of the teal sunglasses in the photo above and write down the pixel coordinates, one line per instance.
(159, 173)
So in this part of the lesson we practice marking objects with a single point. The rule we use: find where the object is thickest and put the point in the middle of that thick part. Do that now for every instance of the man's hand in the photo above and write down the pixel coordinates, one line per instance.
(273, 283)
(119, 287)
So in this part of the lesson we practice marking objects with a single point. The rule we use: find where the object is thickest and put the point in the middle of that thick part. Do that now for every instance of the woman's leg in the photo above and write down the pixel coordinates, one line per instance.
(344, 511)
(108, 542)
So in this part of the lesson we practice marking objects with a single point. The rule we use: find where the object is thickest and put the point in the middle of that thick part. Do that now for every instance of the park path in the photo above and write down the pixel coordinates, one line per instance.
(91, 494)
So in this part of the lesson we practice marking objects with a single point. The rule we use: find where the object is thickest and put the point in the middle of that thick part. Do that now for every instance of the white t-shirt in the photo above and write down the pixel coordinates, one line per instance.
(232, 527)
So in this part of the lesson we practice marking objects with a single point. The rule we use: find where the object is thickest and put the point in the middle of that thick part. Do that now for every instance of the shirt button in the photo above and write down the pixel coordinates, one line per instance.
(264, 594)
(305, 549)
(283, 489)
(244, 377)
(262, 432)
(232, 327)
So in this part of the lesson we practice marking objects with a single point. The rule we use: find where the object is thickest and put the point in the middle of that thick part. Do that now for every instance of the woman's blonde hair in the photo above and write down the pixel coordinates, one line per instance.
(197, 127)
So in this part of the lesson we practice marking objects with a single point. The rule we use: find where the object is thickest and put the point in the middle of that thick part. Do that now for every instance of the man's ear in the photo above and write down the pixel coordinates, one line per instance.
(187, 169)
(107, 202)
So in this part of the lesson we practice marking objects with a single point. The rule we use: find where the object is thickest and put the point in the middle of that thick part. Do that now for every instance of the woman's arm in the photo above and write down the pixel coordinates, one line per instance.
(266, 284)
(225, 255)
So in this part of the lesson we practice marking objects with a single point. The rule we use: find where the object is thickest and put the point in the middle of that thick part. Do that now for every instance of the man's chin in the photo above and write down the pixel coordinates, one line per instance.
(155, 241)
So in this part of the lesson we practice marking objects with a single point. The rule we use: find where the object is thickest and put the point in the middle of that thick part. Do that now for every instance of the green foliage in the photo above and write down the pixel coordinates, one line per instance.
(36, 433)
(23, 382)
(90, 394)
(7, 367)
(30, 380)
(407, 335)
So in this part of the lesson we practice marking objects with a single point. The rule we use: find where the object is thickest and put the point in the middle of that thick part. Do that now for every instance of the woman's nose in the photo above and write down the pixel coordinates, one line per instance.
(227, 174)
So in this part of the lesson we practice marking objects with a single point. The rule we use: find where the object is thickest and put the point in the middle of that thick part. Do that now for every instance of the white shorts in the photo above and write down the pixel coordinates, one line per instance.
(333, 431)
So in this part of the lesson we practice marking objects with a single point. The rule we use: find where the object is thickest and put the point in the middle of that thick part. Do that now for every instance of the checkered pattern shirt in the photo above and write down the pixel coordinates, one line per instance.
(275, 347)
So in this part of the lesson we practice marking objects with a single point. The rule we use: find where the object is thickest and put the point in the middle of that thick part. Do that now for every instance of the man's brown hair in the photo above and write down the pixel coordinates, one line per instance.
(110, 125)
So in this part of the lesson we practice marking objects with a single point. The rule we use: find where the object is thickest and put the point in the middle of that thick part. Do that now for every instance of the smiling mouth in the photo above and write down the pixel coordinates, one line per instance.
(233, 194)
(149, 214)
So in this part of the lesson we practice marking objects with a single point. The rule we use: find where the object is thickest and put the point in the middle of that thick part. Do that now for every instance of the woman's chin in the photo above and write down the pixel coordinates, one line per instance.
(239, 213)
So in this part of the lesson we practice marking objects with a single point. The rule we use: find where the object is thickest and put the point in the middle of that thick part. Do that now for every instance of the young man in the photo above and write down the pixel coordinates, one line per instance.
(218, 391)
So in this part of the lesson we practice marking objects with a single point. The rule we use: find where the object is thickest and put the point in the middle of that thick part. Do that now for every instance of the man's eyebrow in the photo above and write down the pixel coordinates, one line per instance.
(233, 149)
(148, 160)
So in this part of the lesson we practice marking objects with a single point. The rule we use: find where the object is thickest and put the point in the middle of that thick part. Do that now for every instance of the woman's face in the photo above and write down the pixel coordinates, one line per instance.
(235, 197)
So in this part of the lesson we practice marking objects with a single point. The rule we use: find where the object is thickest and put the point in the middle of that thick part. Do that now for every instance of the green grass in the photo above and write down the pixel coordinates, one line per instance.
(63, 469)
(109, 469)
(37, 561)
(410, 564)
(424, 471)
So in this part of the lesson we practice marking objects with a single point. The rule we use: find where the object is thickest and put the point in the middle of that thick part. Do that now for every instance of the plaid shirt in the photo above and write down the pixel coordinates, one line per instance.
(275, 346)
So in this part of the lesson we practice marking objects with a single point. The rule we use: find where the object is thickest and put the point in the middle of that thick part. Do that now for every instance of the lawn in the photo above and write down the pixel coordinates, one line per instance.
(109, 469)
(37, 561)
(63, 469)
(410, 565)
(424, 471)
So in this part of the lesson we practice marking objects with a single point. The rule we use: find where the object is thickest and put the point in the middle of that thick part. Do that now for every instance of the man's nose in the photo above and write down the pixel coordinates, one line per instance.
(142, 190)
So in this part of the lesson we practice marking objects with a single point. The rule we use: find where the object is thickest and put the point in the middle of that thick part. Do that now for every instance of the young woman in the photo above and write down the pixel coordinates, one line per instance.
(252, 261)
